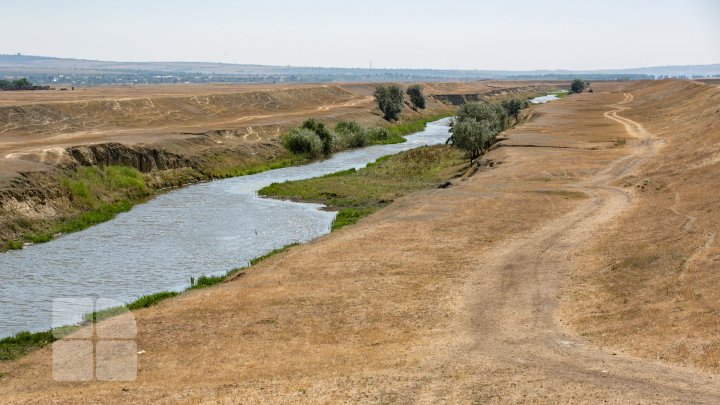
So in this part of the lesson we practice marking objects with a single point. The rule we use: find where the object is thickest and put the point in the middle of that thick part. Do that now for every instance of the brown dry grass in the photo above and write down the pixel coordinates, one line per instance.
(652, 286)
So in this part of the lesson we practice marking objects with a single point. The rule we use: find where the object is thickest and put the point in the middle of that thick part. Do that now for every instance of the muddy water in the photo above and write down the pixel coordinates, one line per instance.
(202, 229)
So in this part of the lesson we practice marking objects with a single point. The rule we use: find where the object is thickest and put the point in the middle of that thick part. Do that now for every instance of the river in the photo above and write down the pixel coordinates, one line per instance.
(203, 229)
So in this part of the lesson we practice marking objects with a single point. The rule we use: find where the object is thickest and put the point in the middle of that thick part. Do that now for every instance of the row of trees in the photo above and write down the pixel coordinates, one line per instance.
(390, 100)
(477, 124)
(19, 84)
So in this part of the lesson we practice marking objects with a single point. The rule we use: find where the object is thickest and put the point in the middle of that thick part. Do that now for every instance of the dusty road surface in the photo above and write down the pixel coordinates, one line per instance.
(449, 295)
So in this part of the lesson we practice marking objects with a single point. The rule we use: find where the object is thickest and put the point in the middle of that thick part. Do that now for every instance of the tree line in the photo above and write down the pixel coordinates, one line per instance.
(20, 84)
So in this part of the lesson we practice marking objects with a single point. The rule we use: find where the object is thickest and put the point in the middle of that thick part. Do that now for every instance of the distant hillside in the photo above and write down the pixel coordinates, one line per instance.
(46, 71)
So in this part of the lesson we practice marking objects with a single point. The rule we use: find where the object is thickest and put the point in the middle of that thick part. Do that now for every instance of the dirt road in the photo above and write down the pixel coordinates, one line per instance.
(449, 295)
(515, 321)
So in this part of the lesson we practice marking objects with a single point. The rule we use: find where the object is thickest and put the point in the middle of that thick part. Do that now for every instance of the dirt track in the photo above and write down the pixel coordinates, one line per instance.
(446, 296)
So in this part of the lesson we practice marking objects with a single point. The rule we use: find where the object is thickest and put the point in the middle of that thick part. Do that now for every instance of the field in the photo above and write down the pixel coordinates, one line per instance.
(581, 267)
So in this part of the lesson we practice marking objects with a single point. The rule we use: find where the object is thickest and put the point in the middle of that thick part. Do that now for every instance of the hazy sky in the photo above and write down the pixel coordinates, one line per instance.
(465, 34)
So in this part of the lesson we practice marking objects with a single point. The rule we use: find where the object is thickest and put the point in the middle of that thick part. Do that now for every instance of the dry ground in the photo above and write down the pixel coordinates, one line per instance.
(483, 292)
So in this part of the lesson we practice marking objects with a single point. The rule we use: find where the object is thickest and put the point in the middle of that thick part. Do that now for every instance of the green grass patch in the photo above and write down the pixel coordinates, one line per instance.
(142, 302)
(272, 253)
(349, 216)
(206, 281)
(358, 193)
(14, 245)
(99, 194)
(255, 168)
(24, 342)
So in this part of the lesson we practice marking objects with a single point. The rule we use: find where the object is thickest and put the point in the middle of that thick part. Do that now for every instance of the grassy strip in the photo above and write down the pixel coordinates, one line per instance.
(23, 343)
(278, 163)
(272, 253)
(358, 193)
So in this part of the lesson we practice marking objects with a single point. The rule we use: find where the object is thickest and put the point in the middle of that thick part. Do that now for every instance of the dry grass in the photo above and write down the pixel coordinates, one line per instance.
(656, 291)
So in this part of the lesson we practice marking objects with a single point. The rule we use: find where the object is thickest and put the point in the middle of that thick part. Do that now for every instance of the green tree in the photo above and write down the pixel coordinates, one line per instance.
(21, 83)
(513, 107)
(417, 98)
(472, 137)
(577, 86)
(476, 126)
(483, 111)
(390, 101)
(4, 84)
(322, 132)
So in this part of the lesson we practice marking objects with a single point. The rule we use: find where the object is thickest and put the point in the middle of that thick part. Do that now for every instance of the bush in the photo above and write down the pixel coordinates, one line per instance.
(325, 136)
(349, 134)
(303, 141)
(493, 113)
(416, 96)
(476, 126)
(513, 107)
(473, 137)
(390, 101)
(577, 86)
(344, 127)
(378, 134)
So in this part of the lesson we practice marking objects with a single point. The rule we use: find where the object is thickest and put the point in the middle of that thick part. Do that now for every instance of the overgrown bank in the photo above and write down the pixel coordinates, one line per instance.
(358, 193)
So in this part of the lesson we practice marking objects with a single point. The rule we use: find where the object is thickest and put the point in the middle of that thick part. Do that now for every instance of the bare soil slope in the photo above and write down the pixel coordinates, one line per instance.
(449, 295)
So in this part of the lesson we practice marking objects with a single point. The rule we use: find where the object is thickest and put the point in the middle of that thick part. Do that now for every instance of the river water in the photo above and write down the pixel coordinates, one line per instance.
(202, 229)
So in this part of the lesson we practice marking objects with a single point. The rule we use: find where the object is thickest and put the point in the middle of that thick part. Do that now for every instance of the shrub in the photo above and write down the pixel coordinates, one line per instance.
(350, 134)
(303, 141)
(577, 86)
(473, 137)
(513, 107)
(416, 96)
(493, 113)
(325, 136)
(390, 101)
(344, 127)
(378, 134)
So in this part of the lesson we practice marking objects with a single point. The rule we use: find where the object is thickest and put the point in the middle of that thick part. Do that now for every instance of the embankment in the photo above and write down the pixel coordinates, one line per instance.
(654, 287)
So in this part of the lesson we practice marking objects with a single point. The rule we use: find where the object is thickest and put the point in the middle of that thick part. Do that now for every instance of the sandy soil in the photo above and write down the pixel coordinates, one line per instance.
(451, 295)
